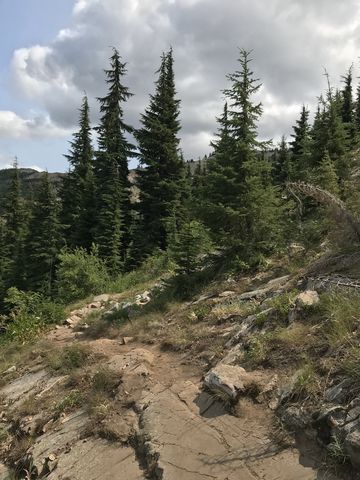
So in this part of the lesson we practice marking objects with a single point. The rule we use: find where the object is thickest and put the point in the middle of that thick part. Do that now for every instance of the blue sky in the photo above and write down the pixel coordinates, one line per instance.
(24, 23)
(54, 50)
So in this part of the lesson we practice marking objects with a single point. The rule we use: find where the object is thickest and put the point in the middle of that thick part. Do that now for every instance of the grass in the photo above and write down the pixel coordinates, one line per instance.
(336, 451)
(341, 313)
(73, 400)
(69, 359)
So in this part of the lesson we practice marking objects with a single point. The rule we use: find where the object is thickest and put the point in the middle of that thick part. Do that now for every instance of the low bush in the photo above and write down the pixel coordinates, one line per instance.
(69, 359)
(29, 313)
(80, 274)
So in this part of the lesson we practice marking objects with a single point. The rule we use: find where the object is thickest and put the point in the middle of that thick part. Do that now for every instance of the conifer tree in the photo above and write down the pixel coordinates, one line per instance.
(15, 231)
(243, 202)
(113, 214)
(300, 146)
(326, 175)
(162, 173)
(78, 196)
(283, 166)
(347, 106)
(44, 238)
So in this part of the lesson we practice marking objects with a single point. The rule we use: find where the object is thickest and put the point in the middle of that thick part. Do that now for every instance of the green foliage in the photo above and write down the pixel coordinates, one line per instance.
(29, 313)
(44, 238)
(80, 274)
(112, 188)
(161, 180)
(73, 400)
(240, 205)
(337, 452)
(69, 359)
(193, 241)
(77, 192)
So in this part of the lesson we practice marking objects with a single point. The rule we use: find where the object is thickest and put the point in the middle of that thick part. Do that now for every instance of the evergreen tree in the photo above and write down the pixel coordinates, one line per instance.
(78, 198)
(44, 238)
(347, 106)
(113, 215)
(300, 146)
(242, 209)
(193, 241)
(15, 231)
(326, 175)
(162, 173)
(283, 166)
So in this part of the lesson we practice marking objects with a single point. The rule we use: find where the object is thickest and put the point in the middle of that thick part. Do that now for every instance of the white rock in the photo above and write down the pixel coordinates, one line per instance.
(101, 298)
(308, 298)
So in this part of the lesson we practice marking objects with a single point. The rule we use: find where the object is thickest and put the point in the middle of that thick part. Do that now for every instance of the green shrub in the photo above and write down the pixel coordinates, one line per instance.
(69, 402)
(155, 266)
(29, 313)
(69, 359)
(80, 274)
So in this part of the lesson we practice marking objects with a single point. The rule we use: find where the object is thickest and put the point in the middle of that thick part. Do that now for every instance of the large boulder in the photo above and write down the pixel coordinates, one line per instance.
(352, 447)
(234, 380)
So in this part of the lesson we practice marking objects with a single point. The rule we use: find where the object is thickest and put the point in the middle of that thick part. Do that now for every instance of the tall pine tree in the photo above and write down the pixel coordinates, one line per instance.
(162, 173)
(78, 196)
(113, 214)
(44, 238)
(16, 218)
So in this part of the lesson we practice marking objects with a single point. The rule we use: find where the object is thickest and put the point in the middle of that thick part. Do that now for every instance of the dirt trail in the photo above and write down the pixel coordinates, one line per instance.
(171, 429)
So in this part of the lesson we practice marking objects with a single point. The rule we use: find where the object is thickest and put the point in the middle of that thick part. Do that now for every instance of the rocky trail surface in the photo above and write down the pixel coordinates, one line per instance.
(164, 424)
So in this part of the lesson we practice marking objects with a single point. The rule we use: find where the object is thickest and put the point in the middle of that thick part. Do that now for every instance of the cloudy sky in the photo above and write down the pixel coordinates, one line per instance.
(54, 50)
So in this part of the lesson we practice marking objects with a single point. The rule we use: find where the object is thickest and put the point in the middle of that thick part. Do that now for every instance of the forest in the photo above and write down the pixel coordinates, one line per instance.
(241, 204)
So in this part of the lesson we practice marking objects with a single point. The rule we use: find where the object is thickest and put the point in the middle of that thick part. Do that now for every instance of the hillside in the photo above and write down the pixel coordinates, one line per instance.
(29, 178)
(242, 381)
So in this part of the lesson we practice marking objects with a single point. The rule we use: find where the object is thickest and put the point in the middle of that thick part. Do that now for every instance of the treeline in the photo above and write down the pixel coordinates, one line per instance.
(235, 203)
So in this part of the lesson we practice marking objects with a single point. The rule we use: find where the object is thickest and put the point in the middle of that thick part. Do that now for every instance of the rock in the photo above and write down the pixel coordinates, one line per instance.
(95, 305)
(308, 298)
(143, 298)
(337, 393)
(4, 472)
(234, 380)
(295, 249)
(126, 340)
(10, 370)
(233, 356)
(227, 293)
(247, 325)
(101, 298)
(130, 360)
(295, 418)
(253, 294)
(352, 448)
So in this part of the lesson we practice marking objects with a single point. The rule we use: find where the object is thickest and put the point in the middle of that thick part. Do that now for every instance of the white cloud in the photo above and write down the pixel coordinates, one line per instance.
(38, 126)
(292, 41)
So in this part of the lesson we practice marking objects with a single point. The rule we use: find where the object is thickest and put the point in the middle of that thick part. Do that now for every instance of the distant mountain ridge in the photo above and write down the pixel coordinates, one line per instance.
(29, 178)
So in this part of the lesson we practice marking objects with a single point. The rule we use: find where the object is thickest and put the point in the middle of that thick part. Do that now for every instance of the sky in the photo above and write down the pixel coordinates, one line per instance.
(52, 51)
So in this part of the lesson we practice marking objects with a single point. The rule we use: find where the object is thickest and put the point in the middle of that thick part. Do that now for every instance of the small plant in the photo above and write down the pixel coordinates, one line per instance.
(337, 452)
(105, 381)
(202, 311)
(306, 382)
(73, 400)
(283, 304)
(69, 359)
(29, 313)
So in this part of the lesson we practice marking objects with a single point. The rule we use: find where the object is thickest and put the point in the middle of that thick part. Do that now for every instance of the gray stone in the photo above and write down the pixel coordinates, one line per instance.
(101, 298)
(295, 418)
(337, 393)
(352, 447)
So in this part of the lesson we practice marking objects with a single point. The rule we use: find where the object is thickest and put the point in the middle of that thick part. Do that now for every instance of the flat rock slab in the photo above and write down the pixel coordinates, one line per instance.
(193, 438)
(97, 459)
(24, 386)
(4, 472)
